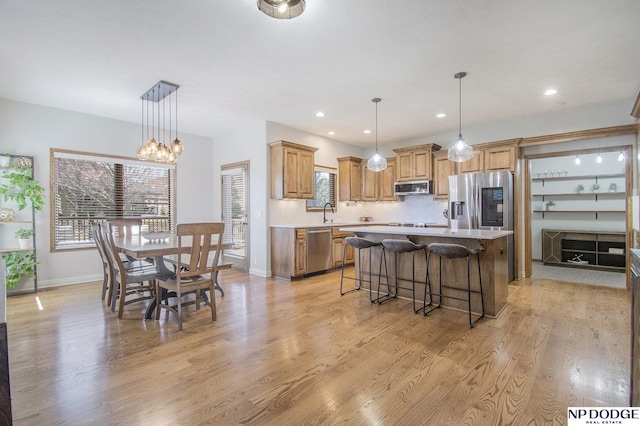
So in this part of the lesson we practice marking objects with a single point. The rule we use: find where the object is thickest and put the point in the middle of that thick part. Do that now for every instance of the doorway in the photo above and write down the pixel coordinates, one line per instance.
(235, 208)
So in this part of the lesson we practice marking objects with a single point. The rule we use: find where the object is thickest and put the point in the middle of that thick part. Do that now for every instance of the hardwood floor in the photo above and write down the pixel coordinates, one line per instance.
(292, 353)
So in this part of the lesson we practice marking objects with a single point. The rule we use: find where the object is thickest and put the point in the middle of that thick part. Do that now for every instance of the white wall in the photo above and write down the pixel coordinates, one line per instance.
(32, 130)
(248, 142)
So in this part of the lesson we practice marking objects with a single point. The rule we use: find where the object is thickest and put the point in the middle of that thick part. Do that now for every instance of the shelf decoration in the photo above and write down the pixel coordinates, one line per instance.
(6, 214)
(551, 205)
(5, 161)
(595, 187)
(17, 266)
(580, 188)
(613, 187)
(24, 237)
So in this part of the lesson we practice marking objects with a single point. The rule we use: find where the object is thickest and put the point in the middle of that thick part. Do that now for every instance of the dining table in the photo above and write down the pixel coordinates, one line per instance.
(162, 250)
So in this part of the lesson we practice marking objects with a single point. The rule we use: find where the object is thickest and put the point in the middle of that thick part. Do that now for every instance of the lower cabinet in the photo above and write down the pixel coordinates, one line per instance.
(338, 244)
(288, 252)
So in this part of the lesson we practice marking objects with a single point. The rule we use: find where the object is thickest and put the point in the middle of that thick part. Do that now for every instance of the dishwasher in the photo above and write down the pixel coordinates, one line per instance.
(318, 250)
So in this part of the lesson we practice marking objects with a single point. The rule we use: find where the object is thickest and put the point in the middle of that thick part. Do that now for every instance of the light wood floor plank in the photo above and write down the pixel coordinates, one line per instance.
(291, 353)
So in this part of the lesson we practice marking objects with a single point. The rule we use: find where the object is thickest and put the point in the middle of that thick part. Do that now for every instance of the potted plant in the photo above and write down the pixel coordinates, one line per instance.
(595, 187)
(613, 187)
(18, 265)
(580, 188)
(551, 205)
(22, 189)
(24, 237)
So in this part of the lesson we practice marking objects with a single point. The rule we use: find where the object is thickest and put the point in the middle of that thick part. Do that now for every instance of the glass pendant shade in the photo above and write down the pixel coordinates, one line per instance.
(460, 151)
(282, 9)
(377, 163)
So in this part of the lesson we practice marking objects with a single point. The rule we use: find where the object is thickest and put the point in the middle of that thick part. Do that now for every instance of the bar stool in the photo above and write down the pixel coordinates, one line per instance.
(455, 251)
(358, 244)
(399, 247)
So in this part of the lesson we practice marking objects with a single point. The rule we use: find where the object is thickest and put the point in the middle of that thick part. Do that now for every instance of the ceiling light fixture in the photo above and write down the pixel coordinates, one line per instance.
(376, 163)
(577, 159)
(153, 149)
(550, 92)
(441, 115)
(460, 151)
(621, 156)
(599, 158)
(319, 114)
(282, 9)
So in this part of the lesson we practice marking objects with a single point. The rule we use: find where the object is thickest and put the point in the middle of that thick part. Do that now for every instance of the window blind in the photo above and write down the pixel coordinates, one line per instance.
(97, 188)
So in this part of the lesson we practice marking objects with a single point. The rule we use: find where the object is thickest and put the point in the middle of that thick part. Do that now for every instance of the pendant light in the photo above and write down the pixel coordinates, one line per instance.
(376, 163)
(460, 151)
(282, 9)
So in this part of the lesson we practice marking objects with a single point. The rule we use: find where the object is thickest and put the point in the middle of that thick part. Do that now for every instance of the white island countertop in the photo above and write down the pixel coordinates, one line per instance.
(429, 232)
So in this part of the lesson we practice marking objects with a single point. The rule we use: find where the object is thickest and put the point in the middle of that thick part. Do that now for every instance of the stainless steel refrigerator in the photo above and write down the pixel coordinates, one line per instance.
(483, 201)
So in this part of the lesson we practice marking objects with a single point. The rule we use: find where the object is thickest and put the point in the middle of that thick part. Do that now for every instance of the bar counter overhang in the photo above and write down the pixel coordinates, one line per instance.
(493, 263)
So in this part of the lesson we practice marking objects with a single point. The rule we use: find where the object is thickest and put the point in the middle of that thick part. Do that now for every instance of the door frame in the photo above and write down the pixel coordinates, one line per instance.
(235, 261)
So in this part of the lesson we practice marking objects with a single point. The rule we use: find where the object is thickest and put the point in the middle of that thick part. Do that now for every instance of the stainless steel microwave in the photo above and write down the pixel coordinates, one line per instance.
(418, 187)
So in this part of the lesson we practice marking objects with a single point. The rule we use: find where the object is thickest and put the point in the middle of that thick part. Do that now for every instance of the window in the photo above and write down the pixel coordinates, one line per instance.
(90, 188)
(324, 188)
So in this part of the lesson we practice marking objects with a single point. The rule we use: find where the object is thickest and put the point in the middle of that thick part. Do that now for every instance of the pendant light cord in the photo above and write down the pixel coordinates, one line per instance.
(460, 107)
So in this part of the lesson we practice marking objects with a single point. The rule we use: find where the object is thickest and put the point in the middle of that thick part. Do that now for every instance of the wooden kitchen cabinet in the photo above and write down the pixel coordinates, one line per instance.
(338, 244)
(301, 252)
(288, 252)
(350, 179)
(414, 162)
(501, 158)
(370, 183)
(378, 186)
(474, 165)
(292, 173)
(387, 181)
(442, 169)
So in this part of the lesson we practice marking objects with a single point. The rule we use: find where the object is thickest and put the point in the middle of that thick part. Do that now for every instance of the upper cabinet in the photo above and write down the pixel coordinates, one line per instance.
(474, 165)
(442, 169)
(498, 156)
(387, 181)
(350, 179)
(414, 162)
(291, 170)
(378, 186)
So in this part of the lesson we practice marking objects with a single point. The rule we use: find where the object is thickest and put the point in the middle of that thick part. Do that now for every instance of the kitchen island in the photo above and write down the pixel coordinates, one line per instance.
(493, 262)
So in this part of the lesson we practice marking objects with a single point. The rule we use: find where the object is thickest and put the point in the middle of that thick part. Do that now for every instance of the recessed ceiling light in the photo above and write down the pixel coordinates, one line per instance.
(319, 114)
(367, 131)
(441, 115)
(550, 92)
(332, 133)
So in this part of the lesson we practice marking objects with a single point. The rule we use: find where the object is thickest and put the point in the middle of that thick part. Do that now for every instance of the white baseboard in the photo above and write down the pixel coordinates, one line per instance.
(69, 280)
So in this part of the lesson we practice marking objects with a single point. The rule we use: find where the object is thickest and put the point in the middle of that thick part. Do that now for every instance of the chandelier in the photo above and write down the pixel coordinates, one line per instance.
(159, 115)
(282, 9)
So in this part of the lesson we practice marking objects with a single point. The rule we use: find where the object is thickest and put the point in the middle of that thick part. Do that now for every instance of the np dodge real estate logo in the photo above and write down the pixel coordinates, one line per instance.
(626, 416)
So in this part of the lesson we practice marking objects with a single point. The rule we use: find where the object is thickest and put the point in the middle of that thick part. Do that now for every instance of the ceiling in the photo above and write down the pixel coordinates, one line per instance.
(234, 63)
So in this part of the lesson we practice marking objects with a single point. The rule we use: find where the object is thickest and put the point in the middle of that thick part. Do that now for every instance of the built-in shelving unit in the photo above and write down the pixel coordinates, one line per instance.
(23, 219)
(603, 250)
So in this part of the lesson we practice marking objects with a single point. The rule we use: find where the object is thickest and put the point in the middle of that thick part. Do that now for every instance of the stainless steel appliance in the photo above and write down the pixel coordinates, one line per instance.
(318, 250)
(483, 201)
(419, 187)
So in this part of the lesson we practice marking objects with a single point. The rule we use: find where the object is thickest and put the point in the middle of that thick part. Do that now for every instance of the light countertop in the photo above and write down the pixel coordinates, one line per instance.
(326, 225)
(429, 232)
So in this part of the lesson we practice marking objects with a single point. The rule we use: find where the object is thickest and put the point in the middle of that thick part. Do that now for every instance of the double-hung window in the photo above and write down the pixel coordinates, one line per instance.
(92, 187)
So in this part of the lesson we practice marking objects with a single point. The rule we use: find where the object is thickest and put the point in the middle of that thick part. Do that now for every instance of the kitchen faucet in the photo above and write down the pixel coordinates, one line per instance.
(324, 212)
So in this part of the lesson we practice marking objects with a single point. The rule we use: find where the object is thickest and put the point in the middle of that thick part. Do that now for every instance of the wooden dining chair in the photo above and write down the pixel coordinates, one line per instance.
(200, 273)
(136, 279)
(122, 229)
(107, 280)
